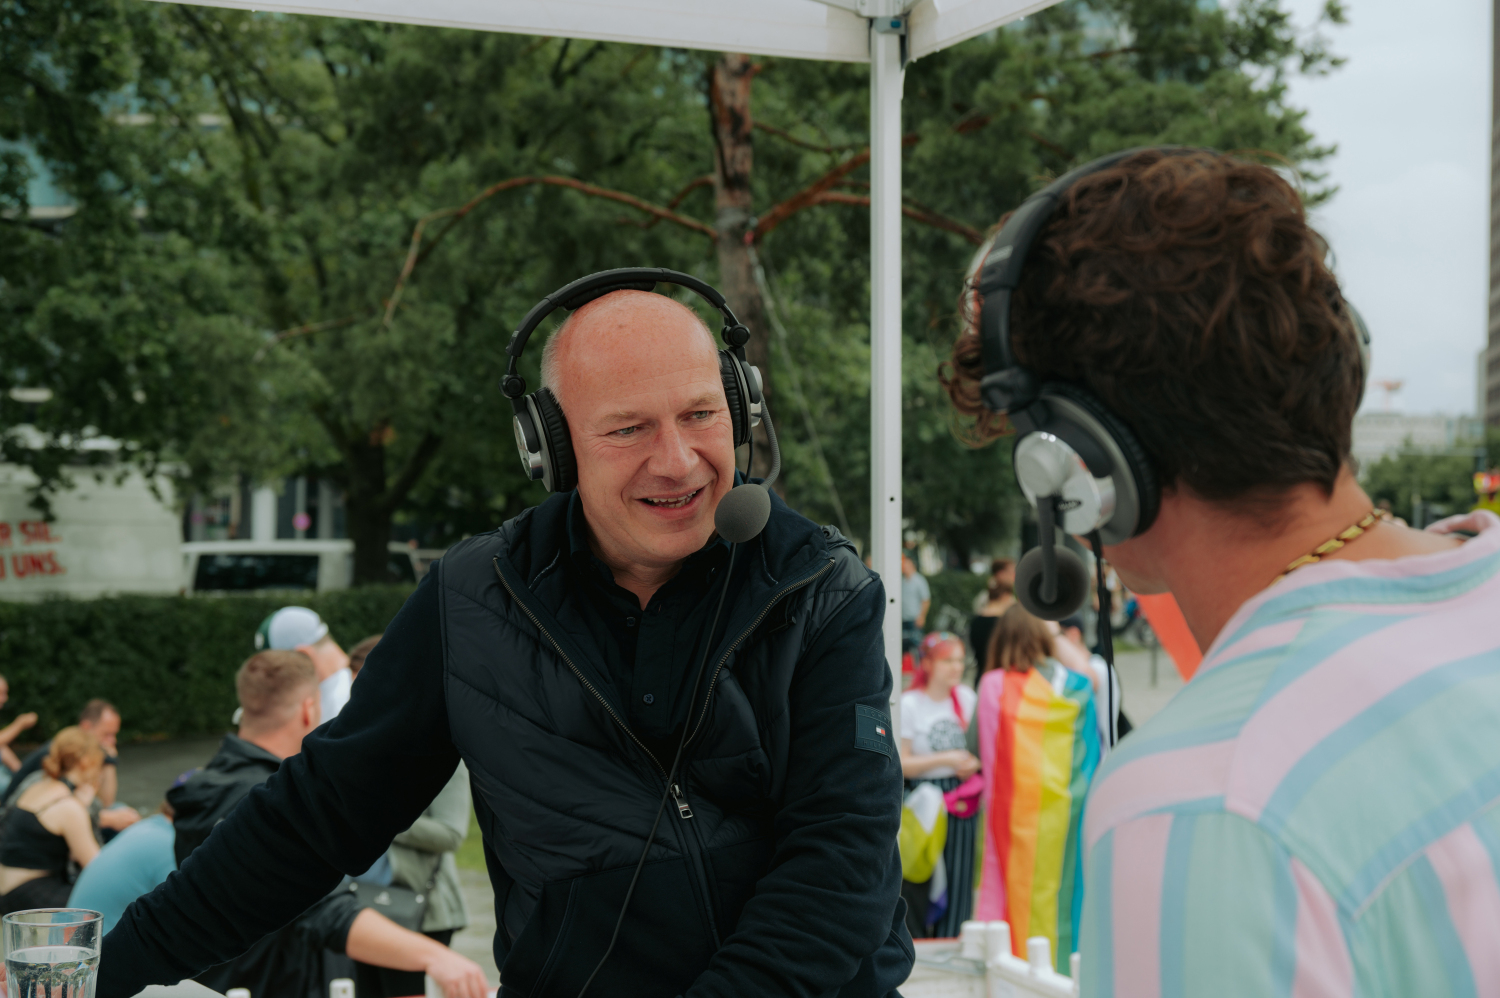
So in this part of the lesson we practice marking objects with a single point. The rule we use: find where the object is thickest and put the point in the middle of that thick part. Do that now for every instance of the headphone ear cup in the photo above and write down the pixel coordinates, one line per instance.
(1072, 584)
(1148, 493)
(734, 394)
(559, 470)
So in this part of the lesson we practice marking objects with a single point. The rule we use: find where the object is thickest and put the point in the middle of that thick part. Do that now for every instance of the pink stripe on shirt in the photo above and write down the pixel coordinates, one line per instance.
(1139, 859)
(1262, 638)
(1481, 522)
(1324, 969)
(1345, 685)
(1464, 868)
(1156, 781)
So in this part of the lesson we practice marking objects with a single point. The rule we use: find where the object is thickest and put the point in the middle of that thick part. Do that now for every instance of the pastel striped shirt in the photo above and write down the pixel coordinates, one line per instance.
(1318, 812)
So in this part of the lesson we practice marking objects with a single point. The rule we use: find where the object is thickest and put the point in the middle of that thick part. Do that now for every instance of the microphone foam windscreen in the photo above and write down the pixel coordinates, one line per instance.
(743, 513)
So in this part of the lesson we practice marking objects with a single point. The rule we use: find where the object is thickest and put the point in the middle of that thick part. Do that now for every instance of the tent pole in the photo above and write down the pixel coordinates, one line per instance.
(885, 336)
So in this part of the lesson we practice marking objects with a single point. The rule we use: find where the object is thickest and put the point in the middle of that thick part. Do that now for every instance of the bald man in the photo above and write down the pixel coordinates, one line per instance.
(556, 657)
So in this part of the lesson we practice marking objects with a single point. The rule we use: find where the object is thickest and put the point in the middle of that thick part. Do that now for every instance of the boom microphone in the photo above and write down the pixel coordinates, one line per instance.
(743, 513)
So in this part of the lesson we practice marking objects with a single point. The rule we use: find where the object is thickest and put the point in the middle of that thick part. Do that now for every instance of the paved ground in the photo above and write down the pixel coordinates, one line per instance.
(1142, 697)
(477, 941)
(147, 770)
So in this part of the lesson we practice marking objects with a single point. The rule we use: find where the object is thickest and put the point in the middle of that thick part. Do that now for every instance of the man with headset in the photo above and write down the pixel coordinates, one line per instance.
(1318, 812)
(597, 655)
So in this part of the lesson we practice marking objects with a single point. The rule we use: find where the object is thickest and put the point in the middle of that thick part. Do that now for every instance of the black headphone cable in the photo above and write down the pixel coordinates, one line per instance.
(671, 775)
(1106, 634)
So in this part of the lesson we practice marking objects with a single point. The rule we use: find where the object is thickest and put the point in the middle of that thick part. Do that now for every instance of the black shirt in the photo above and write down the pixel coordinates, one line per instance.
(652, 653)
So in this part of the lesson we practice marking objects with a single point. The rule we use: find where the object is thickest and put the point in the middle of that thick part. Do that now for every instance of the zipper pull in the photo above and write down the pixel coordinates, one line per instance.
(682, 805)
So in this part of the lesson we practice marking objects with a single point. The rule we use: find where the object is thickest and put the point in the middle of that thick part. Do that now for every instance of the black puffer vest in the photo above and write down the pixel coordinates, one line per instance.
(565, 793)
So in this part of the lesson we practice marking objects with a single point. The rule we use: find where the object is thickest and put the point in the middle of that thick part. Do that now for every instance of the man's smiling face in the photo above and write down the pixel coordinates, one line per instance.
(637, 376)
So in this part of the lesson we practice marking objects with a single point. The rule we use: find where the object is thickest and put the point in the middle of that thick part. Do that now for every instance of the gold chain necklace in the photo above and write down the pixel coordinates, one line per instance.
(1338, 540)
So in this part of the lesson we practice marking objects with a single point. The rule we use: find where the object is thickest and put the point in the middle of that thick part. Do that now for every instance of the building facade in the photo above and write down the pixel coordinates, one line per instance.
(1379, 433)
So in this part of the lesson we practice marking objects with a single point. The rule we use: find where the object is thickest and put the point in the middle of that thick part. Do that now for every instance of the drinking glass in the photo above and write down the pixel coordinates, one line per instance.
(52, 952)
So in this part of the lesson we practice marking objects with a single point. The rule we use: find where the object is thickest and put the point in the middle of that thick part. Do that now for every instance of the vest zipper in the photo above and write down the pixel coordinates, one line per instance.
(684, 810)
(682, 804)
(581, 678)
(689, 834)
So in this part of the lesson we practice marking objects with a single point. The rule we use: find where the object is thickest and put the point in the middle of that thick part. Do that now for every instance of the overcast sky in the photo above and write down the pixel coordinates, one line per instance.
(1410, 114)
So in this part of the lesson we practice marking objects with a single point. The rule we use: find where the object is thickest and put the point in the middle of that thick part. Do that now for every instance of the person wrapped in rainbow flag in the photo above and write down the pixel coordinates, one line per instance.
(1039, 746)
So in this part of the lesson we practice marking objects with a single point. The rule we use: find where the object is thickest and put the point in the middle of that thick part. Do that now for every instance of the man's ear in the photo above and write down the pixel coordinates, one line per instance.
(312, 712)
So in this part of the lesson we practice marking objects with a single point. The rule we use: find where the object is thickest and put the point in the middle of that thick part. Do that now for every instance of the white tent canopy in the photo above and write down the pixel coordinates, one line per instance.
(838, 30)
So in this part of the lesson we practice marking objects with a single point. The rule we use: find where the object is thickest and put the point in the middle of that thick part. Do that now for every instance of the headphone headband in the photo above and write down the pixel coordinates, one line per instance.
(1006, 386)
(584, 290)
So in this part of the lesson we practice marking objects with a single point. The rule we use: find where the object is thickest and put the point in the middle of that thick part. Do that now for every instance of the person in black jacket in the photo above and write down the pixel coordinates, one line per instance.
(280, 703)
(556, 656)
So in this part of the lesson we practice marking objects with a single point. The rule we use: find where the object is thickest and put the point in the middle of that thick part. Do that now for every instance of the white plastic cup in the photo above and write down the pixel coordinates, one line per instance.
(996, 941)
(339, 987)
(1039, 953)
(971, 940)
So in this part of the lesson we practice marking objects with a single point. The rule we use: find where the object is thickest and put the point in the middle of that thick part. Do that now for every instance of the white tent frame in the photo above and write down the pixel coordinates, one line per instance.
(885, 33)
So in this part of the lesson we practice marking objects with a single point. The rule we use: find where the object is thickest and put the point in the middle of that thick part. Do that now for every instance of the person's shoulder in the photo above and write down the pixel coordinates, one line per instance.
(527, 542)
(967, 695)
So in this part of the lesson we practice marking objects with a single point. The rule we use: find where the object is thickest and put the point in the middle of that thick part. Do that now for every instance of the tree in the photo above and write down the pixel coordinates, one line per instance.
(1440, 480)
(342, 220)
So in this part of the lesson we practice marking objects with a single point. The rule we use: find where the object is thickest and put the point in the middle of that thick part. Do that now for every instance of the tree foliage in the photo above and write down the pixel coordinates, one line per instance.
(1441, 479)
(301, 242)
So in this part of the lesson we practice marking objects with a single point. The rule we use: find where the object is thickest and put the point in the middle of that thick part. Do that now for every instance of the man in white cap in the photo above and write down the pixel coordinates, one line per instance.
(296, 628)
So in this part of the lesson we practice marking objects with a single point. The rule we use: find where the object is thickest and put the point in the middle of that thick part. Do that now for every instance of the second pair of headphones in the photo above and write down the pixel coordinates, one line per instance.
(541, 429)
(1076, 461)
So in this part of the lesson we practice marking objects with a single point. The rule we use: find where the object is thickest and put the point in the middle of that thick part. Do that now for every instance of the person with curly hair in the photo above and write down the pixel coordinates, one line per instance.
(1318, 811)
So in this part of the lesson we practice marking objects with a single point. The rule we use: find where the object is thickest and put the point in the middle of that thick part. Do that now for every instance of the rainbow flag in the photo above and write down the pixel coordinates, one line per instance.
(1046, 751)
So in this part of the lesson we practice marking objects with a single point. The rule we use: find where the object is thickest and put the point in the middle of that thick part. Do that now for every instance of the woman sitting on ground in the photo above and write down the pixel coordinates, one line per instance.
(49, 825)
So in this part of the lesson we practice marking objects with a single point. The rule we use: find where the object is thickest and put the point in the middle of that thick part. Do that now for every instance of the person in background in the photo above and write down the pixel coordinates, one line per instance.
(1072, 651)
(8, 734)
(280, 698)
(296, 628)
(421, 858)
(999, 595)
(1003, 571)
(131, 864)
(1039, 745)
(916, 598)
(100, 719)
(50, 826)
(935, 714)
(359, 652)
(1315, 813)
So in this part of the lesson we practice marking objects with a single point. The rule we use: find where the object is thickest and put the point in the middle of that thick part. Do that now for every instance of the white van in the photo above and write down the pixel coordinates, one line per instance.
(250, 566)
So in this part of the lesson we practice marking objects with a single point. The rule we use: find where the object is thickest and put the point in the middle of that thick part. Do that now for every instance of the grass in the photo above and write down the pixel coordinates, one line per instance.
(470, 854)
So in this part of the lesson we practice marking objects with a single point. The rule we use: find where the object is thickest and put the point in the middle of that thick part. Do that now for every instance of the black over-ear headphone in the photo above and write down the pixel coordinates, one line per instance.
(1076, 461)
(542, 429)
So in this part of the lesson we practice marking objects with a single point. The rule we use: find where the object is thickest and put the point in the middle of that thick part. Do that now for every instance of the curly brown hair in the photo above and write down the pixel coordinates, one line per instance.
(1188, 292)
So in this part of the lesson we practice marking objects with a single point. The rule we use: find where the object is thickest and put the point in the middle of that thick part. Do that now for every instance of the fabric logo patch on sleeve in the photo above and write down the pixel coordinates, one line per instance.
(872, 731)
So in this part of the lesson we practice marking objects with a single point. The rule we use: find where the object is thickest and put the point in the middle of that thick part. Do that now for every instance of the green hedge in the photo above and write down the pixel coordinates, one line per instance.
(168, 662)
(955, 589)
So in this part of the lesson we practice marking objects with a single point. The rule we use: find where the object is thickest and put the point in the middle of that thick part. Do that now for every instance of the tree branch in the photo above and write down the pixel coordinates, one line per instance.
(916, 213)
(810, 195)
(309, 329)
(704, 181)
(416, 253)
(803, 143)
